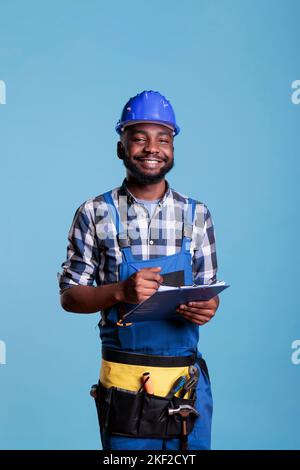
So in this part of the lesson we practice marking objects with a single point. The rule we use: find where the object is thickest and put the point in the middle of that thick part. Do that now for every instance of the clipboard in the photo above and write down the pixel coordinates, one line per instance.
(163, 303)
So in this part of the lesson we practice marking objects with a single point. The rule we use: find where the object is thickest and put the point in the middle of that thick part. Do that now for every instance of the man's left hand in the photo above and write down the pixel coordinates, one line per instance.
(199, 312)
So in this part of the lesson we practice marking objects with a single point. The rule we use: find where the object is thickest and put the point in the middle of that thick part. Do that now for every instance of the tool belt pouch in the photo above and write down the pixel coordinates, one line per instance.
(138, 414)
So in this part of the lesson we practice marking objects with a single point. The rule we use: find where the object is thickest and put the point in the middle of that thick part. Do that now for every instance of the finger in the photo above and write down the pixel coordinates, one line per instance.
(197, 322)
(147, 284)
(154, 270)
(202, 315)
(195, 314)
(205, 303)
(145, 297)
(197, 311)
(200, 320)
(147, 292)
(151, 275)
(199, 317)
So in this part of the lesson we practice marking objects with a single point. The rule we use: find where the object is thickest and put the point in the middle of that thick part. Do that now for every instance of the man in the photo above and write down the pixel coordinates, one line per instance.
(129, 241)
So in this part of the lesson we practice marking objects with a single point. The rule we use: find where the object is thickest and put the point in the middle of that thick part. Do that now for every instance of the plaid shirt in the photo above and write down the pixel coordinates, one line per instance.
(93, 253)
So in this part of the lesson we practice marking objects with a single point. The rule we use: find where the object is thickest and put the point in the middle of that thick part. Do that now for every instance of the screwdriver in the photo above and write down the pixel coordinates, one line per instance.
(178, 384)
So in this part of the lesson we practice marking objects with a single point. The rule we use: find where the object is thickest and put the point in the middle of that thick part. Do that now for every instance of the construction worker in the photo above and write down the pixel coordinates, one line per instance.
(128, 241)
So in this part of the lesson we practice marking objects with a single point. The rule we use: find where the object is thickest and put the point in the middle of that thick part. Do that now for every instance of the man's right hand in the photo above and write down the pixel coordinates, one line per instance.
(140, 286)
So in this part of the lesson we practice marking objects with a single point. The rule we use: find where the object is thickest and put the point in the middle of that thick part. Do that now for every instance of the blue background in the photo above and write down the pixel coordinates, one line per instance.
(227, 67)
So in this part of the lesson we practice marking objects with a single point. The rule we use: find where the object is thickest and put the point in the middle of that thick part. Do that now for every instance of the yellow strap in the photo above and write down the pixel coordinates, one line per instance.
(129, 377)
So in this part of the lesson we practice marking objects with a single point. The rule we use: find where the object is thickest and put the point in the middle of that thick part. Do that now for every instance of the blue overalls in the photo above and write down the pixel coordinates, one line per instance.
(173, 337)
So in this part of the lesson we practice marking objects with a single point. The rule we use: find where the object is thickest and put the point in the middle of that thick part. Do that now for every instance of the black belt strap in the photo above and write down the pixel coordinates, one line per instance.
(135, 359)
(203, 366)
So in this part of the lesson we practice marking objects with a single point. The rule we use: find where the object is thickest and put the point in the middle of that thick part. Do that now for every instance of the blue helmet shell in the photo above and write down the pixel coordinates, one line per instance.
(148, 106)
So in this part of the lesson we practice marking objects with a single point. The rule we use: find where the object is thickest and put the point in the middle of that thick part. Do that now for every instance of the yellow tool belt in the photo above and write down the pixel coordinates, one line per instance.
(127, 376)
(127, 406)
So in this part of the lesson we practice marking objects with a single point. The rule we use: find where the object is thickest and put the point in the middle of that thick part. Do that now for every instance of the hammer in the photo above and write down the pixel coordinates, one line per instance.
(184, 411)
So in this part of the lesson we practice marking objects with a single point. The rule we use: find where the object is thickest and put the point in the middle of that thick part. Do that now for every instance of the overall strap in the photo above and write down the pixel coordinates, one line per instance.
(188, 225)
(122, 236)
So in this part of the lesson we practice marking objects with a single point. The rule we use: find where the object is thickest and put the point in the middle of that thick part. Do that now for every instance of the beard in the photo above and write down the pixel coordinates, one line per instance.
(143, 178)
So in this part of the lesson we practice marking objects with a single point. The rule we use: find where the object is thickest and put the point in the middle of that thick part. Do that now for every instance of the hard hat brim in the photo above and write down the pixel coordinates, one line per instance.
(122, 125)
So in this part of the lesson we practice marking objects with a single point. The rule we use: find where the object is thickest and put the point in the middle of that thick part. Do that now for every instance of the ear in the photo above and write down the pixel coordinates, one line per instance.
(120, 150)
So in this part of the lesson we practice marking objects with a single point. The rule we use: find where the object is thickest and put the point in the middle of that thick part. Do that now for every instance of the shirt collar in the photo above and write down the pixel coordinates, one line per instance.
(124, 191)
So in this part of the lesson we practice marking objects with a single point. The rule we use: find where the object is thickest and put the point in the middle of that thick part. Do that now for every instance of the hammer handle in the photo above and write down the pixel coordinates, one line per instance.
(184, 435)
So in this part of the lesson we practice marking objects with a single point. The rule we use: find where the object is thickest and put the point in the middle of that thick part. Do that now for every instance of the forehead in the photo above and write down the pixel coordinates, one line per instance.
(148, 129)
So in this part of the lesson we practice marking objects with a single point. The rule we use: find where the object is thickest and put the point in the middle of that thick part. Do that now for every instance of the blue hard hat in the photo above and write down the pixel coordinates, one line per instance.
(148, 106)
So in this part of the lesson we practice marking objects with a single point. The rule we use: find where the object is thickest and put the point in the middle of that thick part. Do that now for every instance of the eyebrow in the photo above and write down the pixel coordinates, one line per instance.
(145, 133)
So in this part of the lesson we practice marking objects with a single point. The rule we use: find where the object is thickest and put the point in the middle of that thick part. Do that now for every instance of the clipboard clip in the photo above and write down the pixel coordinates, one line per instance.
(120, 323)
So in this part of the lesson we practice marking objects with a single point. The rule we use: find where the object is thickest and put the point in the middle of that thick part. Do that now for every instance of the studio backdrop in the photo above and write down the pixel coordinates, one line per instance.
(232, 72)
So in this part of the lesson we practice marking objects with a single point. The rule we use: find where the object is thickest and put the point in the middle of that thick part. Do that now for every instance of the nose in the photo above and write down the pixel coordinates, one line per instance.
(151, 146)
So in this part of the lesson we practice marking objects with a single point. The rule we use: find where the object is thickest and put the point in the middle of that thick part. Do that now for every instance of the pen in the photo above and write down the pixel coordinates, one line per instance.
(147, 384)
(136, 270)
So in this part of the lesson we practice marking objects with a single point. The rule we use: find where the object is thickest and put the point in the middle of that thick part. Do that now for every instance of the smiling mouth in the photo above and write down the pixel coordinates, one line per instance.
(145, 159)
(150, 163)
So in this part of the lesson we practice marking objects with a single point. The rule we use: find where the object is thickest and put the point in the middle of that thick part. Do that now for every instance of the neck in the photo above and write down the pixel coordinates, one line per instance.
(146, 191)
